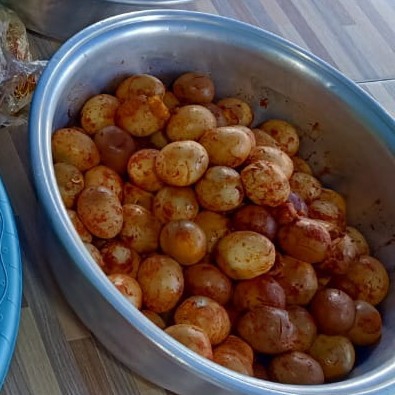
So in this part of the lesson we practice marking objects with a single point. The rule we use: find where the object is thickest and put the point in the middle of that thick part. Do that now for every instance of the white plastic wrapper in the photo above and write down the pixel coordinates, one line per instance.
(18, 72)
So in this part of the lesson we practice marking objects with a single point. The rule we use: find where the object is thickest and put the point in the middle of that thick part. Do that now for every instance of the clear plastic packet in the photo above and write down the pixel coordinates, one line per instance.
(18, 72)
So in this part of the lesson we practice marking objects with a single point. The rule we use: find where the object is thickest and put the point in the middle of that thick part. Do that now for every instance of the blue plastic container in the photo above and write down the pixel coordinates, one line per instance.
(10, 283)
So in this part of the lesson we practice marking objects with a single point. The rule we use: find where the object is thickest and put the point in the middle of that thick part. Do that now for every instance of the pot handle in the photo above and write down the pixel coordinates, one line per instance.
(147, 3)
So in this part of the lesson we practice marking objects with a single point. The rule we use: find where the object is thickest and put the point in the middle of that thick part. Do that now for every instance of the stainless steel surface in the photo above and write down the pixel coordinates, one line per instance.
(348, 138)
(60, 19)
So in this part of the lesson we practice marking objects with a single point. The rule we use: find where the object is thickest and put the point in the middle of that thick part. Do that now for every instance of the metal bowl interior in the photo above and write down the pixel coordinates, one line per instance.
(347, 137)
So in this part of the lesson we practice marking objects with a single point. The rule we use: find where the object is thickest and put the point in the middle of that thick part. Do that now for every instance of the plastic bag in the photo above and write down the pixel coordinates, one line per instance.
(18, 72)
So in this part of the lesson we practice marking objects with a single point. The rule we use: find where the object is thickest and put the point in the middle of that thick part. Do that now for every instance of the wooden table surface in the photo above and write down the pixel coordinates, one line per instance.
(55, 354)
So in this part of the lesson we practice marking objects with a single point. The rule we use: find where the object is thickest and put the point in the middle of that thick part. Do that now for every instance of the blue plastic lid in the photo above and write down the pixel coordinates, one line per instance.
(10, 283)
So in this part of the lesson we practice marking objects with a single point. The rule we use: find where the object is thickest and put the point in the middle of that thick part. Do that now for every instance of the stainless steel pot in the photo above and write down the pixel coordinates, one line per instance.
(348, 138)
(60, 19)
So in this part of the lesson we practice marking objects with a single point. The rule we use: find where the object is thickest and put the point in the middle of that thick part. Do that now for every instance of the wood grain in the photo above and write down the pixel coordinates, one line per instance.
(355, 36)
(36, 360)
(383, 92)
(55, 353)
